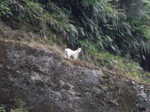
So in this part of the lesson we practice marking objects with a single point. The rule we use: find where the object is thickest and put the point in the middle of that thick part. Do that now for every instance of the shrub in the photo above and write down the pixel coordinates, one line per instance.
(4, 8)
(2, 109)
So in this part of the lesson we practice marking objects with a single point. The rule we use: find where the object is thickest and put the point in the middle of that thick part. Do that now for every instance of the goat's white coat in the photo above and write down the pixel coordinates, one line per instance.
(71, 53)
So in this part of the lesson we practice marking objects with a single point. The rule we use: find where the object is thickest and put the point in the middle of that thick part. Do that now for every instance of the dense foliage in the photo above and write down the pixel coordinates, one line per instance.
(118, 26)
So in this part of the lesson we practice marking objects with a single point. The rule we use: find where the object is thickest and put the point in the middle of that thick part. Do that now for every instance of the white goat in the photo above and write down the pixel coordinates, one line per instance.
(72, 54)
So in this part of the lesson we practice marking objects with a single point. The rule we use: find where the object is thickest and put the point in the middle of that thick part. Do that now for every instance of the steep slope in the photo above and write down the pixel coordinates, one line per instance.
(39, 80)
(34, 76)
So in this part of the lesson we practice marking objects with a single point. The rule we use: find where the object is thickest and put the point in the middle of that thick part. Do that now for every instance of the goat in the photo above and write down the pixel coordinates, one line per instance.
(72, 54)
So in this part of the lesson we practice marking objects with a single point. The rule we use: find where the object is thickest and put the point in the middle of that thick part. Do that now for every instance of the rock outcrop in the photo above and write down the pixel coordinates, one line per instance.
(45, 83)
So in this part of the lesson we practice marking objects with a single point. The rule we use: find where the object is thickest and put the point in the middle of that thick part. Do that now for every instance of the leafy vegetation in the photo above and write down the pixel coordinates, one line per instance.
(107, 32)
(19, 107)
(4, 8)
(105, 29)
(2, 109)
(118, 64)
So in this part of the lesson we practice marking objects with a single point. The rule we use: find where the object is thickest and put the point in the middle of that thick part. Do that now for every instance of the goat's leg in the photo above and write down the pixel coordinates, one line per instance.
(66, 55)
(75, 57)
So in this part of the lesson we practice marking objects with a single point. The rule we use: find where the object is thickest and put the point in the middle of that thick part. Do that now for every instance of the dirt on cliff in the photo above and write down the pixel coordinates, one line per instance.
(45, 82)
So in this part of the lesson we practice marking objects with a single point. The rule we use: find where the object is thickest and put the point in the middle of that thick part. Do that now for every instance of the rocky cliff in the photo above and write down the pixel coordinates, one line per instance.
(44, 82)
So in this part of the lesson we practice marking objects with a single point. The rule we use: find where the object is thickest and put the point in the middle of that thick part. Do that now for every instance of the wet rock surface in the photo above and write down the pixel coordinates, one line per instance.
(42, 80)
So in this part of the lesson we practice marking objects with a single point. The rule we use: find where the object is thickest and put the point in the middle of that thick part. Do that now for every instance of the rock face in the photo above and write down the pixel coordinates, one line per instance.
(45, 83)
